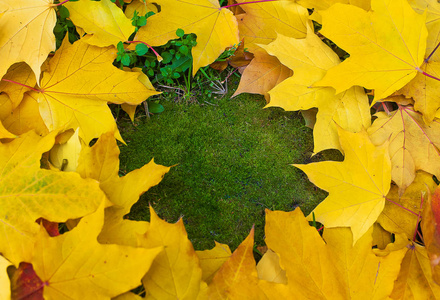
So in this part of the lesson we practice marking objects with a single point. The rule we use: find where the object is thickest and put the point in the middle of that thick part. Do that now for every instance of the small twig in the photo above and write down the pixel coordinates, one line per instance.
(24, 85)
(210, 103)
(61, 3)
(147, 112)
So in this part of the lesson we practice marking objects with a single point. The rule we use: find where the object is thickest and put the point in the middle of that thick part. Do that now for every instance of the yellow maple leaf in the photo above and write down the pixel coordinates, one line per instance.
(262, 74)
(237, 278)
(401, 212)
(263, 21)
(104, 22)
(211, 260)
(75, 266)
(357, 186)
(35, 193)
(330, 267)
(27, 33)
(5, 284)
(216, 28)
(175, 273)
(309, 59)
(77, 86)
(413, 144)
(423, 89)
(384, 62)
(101, 162)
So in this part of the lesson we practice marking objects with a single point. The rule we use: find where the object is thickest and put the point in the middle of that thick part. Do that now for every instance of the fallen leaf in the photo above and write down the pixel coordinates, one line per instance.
(25, 117)
(357, 186)
(80, 81)
(415, 277)
(22, 73)
(104, 22)
(331, 267)
(423, 89)
(413, 145)
(401, 212)
(309, 59)
(237, 278)
(175, 273)
(216, 28)
(27, 33)
(211, 260)
(262, 74)
(269, 268)
(25, 284)
(384, 62)
(54, 196)
(101, 162)
(263, 21)
(75, 266)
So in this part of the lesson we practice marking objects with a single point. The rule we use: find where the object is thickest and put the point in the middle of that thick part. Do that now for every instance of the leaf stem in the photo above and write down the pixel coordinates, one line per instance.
(402, 207)
(159, 58)
(250, 2)
(429, 56)
(430, 76)
(24, 85)
(61, 3)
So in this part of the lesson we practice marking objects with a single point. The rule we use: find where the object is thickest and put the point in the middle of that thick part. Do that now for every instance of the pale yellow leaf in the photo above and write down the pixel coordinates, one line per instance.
(104, 22)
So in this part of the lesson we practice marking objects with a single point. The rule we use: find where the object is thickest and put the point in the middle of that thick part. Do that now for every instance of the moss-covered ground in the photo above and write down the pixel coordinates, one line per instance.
(232, 161)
